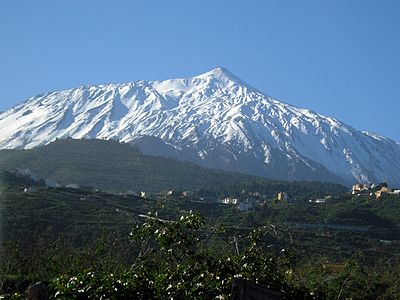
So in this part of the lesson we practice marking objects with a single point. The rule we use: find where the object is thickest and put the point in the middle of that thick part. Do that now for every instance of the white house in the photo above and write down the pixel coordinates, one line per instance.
(229, 200)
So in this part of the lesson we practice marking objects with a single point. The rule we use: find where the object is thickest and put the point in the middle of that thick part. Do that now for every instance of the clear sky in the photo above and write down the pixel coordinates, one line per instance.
(340, 58)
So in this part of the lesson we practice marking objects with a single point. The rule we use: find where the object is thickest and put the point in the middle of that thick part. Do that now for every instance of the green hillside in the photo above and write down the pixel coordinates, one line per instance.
(77, 215)
(113, 166)
(55, 234)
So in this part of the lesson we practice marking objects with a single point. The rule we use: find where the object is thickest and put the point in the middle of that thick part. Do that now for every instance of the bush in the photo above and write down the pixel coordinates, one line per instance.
(173, 263)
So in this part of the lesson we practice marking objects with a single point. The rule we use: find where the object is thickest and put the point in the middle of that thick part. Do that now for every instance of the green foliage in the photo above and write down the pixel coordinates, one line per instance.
(76, 214)
(112, 166)
(183, 255)
(298, 190)
(185, 258)
(350, 279)
(173, 264)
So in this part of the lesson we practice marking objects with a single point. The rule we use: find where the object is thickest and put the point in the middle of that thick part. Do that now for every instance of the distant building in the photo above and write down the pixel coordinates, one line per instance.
(229, 200)
(383, 190)
(142, 194)
(187, 193)
(359, 187)
(282, 196)
(174, 193)
(320, 200)
(366, 189)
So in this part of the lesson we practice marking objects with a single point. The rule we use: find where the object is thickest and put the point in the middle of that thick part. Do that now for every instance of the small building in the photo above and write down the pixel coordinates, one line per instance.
(383, 190)
(359, 188)
(282, 196)
(187, 193)
(142, 194)
(174, 193)
(320, 200)
(229, 200)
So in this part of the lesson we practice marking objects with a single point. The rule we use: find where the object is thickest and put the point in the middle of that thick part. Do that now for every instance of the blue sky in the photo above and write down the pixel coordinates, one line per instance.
(340, 58)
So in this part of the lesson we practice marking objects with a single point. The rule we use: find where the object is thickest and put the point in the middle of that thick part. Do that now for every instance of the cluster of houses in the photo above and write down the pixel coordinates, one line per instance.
(244, 202)
(248, 201)
(366, 189)
(282, 196)
(242, 205)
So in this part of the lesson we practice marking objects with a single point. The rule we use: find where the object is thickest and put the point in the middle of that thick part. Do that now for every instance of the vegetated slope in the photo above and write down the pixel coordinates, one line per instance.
(81, 215)
(215, 120)
(108, 165)
(77, 215)
(113, 166)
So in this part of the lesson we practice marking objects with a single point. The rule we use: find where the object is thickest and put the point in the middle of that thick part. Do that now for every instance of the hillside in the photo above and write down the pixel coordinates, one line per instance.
(338, 228)
(62, 233)
(76, 215)
(110, 165)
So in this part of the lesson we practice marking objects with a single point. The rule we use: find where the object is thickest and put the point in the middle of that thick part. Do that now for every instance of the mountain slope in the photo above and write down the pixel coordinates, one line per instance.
(113, 166)
(215, 120)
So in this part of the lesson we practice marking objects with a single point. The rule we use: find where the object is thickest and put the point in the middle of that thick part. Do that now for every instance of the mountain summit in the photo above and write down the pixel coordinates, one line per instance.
(222, 75)
(213, 119)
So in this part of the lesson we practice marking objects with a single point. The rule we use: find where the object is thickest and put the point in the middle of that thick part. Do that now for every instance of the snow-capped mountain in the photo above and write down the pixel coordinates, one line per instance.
(215, 120)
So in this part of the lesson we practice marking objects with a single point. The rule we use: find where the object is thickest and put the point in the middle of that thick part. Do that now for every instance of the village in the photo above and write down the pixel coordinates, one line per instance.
(373, 190)
(243, 201)
(247, 200)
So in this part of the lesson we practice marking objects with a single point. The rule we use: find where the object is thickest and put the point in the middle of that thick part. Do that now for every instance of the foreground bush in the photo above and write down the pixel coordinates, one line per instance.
(173, 262)
(183, 258)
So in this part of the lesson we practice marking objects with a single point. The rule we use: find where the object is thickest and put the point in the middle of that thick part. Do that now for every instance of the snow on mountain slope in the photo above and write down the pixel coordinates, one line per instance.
(215, 120)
